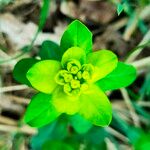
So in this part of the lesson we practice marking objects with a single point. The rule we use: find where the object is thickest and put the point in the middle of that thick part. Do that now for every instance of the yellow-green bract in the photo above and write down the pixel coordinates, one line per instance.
(72, 79)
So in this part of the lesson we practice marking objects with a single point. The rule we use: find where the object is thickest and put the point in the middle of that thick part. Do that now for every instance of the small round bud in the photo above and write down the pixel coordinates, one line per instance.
(84, 86)
(63, 72)
(86, 75)
(79, 75)
(68, 77)
(89, 68)
(75, 84)
(59, 78)
(67, 88)
(74, 69)
(75, 92)
(73, 66)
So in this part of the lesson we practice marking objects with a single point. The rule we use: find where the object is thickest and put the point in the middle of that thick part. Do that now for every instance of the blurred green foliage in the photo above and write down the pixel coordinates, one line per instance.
(73, 132)
(3, 3)
(56, 145)
(132, 9)
(143, 143)
(145, 90)
(61, 130)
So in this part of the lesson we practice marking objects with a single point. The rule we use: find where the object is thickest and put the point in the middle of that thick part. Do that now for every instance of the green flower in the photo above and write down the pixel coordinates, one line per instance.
(72, 79)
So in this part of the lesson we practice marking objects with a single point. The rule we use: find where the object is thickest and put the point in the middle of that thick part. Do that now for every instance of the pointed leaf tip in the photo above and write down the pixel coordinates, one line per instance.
(73, 36)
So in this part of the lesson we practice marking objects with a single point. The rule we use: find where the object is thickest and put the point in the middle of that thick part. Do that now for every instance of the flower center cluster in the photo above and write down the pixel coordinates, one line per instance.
(74, 77)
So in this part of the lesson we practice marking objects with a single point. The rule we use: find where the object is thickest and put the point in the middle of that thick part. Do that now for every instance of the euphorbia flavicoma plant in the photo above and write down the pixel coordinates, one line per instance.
(72, 79)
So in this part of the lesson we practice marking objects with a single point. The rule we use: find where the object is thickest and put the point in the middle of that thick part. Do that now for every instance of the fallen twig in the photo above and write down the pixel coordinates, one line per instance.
(134, 55)
(117, 134)
(19, 100)
(24, 129)
(141, 63)
(13, 88)
(133, 114)
(8, 121)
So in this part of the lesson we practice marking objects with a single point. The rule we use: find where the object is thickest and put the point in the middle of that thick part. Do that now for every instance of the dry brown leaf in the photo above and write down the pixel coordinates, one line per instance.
(21, 34)
(96, 11)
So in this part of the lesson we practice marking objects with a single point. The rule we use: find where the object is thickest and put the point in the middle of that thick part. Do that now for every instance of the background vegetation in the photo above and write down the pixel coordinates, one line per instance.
(121, 26)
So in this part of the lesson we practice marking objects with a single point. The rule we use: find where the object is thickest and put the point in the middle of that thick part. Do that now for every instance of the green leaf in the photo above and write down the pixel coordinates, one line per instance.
(56, 145)
(44, 14)
(56, 130)
(40, 111)
(122, 76)
(120, 8)
(145, 89)
(74, 53)
(143, 143)
(94, 134)
(104, 61)
(95, 106)
(64, 103)
(42, 74)
(95, 138)
(141, 111)
(21, 68)
(80, 125)
(50, 50)
(44, 133)
(77, 34)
